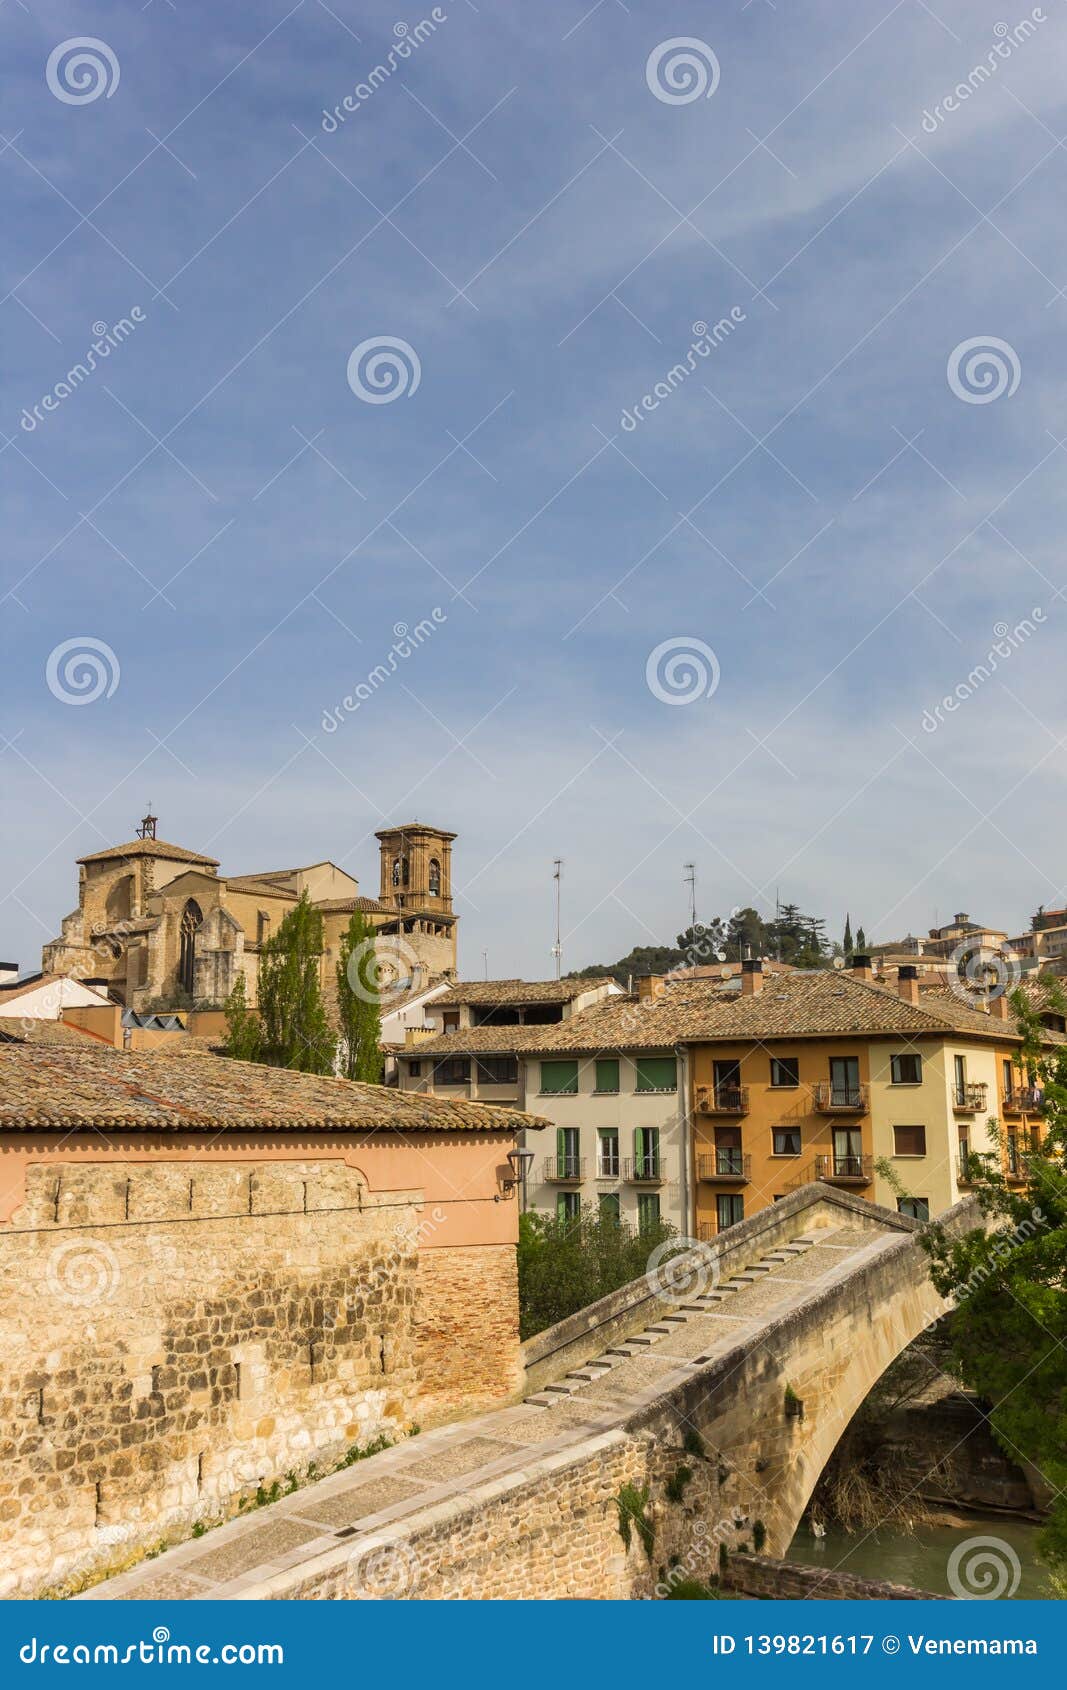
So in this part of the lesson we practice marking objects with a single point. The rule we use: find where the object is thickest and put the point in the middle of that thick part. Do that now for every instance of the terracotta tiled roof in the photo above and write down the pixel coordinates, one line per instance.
(257, 886)
(347, 906)
(482, 1041)
(150, 848)
(798, 1005)
(489, 992)
(67, 1089)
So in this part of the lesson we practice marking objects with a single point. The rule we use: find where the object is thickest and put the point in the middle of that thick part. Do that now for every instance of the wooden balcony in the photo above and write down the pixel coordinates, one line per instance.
(564, 1170)
(844, 1170)
(829, 1099)
(722, 1100)
(729, 1166)
(643, 1170)
(969, 1099)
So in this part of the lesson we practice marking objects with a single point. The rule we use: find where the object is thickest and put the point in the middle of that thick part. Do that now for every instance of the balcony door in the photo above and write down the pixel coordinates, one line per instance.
(567, 1148)
(727, 1151)
(848, 1152)
(727, 1084)
(844, 1082)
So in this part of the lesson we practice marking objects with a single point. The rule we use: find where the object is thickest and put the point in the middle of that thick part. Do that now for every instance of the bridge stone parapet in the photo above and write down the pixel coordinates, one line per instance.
(677, 1447)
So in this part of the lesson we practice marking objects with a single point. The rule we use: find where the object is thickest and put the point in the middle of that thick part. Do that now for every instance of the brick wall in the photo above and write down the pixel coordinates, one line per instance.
(467, 1352)
(767, 1579)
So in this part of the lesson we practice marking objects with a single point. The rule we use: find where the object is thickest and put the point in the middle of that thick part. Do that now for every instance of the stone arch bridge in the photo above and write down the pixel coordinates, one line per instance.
(708, 1406)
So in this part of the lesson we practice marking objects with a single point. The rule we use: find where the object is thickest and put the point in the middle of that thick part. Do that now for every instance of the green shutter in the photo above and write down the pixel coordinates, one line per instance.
(610, 1209)
(607, 1073)
(559, 1076)
(657, 1073)
(648, 1213)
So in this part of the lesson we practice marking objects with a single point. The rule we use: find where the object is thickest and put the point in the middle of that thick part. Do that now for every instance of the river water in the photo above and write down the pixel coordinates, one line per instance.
(921, 1558)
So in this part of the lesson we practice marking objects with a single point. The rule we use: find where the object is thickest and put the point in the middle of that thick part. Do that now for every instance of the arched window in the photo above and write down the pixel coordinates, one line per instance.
(191, 921)
(405, 870)
(396, 871)
(435, 878)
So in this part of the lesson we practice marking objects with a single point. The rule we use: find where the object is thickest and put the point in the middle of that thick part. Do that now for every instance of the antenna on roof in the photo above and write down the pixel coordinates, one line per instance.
(557, 948)
(147, 829)
(485, 963)
(691, 882)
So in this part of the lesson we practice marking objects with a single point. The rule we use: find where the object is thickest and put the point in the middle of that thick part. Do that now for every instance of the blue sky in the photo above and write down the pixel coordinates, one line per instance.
(815, 502)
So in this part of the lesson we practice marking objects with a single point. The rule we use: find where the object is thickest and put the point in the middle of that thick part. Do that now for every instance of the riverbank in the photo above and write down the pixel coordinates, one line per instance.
(969, 1555)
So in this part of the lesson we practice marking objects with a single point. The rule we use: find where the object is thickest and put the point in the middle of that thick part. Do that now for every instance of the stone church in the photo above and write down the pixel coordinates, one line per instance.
(158, 927)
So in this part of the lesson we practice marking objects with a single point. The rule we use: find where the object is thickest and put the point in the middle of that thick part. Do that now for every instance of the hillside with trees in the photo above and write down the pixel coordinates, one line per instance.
(791, 937)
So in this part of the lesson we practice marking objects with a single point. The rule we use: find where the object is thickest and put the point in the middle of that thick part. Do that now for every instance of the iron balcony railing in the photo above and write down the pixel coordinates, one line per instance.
(1022, 1100)
(563, 1170)
(844, 1170)
(725, 1164)
(969, 1098)
(722, 1100)
(832, 1099)
(644, 1170)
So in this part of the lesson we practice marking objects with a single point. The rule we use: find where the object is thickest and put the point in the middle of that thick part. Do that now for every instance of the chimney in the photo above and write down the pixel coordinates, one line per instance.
(861, 967)
(908, 982)
(999, 1007)
(751, 977)
(9, 973)
(650, 987)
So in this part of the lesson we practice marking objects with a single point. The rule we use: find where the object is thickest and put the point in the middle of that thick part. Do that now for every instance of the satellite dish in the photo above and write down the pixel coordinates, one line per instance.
(727, 973)
(839, 962)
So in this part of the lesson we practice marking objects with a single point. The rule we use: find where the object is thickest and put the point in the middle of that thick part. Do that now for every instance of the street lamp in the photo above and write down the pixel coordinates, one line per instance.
(520, 1164)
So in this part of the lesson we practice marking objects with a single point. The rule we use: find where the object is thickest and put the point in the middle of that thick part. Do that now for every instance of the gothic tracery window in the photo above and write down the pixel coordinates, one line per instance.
(190, 923)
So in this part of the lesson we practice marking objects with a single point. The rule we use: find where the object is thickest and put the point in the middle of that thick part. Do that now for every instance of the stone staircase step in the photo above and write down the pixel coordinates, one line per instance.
(619, 1351)
(674, 1320)
(538, 1401)
(559, 1390)
(642, 1338)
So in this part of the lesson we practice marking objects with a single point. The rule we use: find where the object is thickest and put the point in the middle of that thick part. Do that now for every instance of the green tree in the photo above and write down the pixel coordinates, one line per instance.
(861, 941)
(358, 1012)
(296, 1031)
(566, 1264)
(244, 1035)
(1009, 1280)
(846, 945)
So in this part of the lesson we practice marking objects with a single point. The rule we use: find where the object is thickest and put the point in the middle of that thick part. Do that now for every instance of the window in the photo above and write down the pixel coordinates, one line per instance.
(917, 1207)
(786, 1141)
(727, 1085)
(646, 1153)
(452, 1071)
(610, 1208)
(568, 1160)
(909, 1141)
(845, 1083)
(729, 1209)
(647, 1210)
(498, 1070)
(191, 921)
(607, 1157)
(785, 1070)
(450, 1020)
(607, 1073)
(568, 1207)
(557, 1077)
(435, 878)
(414, 1069)
(848, 1153)
(1011, 1144)
(1008, 1077)
(657, 1073)
(262, 927)
(906, 1070)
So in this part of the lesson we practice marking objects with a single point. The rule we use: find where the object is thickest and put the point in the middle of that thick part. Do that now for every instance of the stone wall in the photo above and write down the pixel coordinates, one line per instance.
(177, 1335)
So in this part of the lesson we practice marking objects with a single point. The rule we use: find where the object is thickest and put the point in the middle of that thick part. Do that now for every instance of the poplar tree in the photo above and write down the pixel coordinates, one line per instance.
(358, 1011)
(244, 1035)
(296, 1029)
